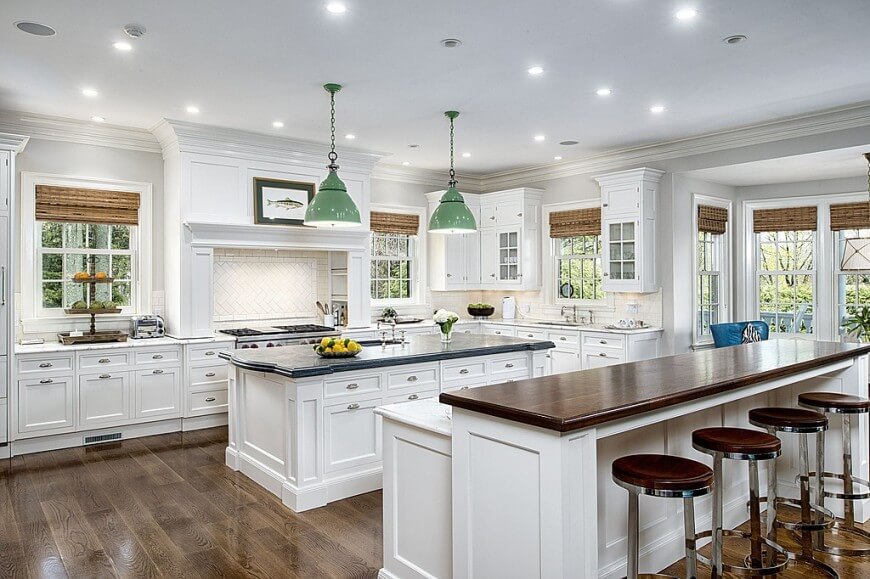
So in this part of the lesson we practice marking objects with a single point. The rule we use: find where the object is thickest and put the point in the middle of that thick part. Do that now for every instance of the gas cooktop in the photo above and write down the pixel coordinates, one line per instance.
(278, 335)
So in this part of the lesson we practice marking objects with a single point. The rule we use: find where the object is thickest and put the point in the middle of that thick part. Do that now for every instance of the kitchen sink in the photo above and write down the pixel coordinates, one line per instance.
(576, 324)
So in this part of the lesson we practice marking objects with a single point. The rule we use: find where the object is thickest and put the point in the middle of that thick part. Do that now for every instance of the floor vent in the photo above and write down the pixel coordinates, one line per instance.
(98, 438)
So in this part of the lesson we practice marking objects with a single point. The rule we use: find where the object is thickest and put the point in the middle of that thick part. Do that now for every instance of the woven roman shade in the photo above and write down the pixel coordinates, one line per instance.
(850, 216)
(712, 219)
(395, 223)
(76, 205)
(784, 219)
(575, 222)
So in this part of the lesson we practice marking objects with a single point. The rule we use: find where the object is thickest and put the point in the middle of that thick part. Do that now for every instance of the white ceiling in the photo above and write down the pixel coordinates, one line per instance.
(810, 167)
(246, 64)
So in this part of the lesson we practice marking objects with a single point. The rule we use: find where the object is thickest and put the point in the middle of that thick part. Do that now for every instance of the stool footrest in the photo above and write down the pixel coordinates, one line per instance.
(747, 571)
(840, 528)
(827, 522)
(846, 496)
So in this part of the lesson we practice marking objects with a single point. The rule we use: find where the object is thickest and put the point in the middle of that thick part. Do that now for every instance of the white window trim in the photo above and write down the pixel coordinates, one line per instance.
(419, 264)
(725, 283)
(549, 287)
(824, 302)
(29, 273)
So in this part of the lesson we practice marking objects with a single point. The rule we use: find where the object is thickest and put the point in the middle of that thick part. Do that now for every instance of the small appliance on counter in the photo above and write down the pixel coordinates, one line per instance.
(508, 308)
(148, 326)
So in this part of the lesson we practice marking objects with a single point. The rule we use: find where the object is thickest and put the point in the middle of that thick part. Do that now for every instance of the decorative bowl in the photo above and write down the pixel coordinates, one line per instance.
(336, 354)
(481, 312)
(350, 348)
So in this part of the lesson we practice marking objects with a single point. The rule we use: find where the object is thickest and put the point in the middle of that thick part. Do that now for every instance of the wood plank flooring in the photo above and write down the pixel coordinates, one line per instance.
(166, 506)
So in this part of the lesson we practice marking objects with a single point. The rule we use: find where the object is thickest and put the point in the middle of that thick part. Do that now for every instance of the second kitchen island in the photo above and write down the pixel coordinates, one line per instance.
(305, 427)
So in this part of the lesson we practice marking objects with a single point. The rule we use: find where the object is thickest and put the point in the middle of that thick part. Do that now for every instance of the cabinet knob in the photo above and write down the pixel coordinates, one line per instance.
(353, 386)
(563, 338)
(210, 399)
(449, 275)
(157, 372)
(466, 331)
(46, 365)
(530, 335)
(412, 378)
(209, 374)
(492, 275)
(104, 376)
(508, 365)
(549, 356)
(209, 353)
(603, 355)
(353, 406)
(604, 204)
(519, 214)
(602, 341)
(605, 274)
(492, 218)
(46, 381)
(464, 371)
(104, 360)
(157, 357)
(498, 333)
(464, 388)
(413, 397)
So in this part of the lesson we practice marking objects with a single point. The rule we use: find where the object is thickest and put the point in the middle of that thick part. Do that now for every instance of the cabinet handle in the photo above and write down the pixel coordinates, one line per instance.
(549, 356)
(602, 341)
(3, 285)
(508, 365)
(46, 365)
(104, 376)
(210, 399)
(104, 360)
(605, 274)
(464, 388)
(563, 338)
(604, 204)
(46, 381)
(353, 406)
(603, 355)
(413, 397)
(530, 335)
(353, 386)
(492, 275)
(464, 371)
(497, 333)
(466, 331)
(157, 372)
(412, 378)
(209, 374)
(492, 218)
(449, 275)
(157, 357)
(209, 353)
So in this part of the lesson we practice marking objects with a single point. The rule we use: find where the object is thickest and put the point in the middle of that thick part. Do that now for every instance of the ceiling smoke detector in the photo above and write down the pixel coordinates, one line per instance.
(734, 39)
(451, 43)
(413, 146)
(134, 30)
(35, 28)
(569, 143)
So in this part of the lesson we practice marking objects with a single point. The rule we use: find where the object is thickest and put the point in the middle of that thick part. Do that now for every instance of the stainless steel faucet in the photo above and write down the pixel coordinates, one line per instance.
(591, 321)
(573, 317)
(384, 334)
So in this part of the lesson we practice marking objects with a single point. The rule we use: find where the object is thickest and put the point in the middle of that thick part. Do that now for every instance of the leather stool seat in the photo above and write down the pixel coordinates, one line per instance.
(834, 402)
(658, 472)
(788, 419)
(736, 442)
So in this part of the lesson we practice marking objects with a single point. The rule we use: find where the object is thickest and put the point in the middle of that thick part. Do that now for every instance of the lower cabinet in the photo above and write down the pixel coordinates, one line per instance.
(158, 393)
(600, 359)
(46, 405)
(351, 432)
(208, 402)
(104, 399)
(562, 361)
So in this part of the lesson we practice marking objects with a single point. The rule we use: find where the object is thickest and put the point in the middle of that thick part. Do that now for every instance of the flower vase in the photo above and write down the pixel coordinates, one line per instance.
(446, 333)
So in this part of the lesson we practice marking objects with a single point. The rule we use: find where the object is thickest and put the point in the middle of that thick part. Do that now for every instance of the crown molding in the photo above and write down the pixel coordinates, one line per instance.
(186, 137)
(14, 143)
(430, 177)
(37, 126)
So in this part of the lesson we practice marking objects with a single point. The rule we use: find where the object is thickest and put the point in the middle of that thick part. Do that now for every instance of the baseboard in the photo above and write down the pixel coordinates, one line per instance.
(206, 421)
(384, 574)
(314, 496)
(72, 439)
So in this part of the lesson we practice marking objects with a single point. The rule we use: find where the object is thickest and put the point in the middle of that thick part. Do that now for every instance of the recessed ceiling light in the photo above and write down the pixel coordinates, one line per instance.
(466, 155)
(540, 138)
(557, 158)
(734, 39)
(278, 124)
(536, 70)
(336, 7)
(192, 109)
(451, 43)
(686, 14)
(657, 109)
(90, 92)
(406, 163)
(350, 137)
(97, 119)
(604, 92)
(568, 143)
(123, 46)
(35, 28)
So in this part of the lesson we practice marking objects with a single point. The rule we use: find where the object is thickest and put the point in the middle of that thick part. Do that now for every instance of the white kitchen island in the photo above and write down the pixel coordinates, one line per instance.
(305, 427)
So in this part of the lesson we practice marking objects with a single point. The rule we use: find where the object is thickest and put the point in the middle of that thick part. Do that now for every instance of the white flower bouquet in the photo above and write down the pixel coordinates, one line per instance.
(445, 320)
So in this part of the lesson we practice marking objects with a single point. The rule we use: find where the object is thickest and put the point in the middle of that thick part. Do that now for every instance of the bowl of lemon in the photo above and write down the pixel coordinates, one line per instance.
(337, 348)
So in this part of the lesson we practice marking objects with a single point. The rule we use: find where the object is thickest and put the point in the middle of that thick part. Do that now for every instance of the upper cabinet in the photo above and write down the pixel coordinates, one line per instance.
(503, 254)
(628, 216)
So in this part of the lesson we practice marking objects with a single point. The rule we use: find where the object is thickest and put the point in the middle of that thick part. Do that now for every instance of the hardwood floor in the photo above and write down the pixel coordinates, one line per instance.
(167, 506)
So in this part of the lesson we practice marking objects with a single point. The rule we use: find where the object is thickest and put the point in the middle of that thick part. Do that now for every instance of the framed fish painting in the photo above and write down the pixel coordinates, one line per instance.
(279, 202)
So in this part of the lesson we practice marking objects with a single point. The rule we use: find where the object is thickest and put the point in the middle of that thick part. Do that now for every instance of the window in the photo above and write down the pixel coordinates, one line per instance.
(708, 288)
(392, 266)
(63, 249)
(786, 279)
(852, 288)
(578, 268)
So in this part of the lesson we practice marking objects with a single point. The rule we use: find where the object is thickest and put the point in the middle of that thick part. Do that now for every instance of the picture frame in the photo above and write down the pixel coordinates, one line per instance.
(279, 202)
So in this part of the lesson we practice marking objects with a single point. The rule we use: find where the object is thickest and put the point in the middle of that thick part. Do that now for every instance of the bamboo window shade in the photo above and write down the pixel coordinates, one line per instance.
(72, 204)
(395, 223)
(712, 219)
(784, 219)
(850, 216)
(575, 222)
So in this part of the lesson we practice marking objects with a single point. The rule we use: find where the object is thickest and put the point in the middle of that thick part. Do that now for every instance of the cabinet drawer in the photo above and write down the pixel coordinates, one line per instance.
(496, 330)
(466, 370)
(350, 386)
(208, 401)
(508, 377)
(454, 386)
(412, 377)
(509, 365)
(603, 341)
(170, 356)
(531, 333)
(205, 374)
(207, 352)
(421, 394)
(351, 434)
(45, 364)
(565, 339)
(599, 358)
(104, 360)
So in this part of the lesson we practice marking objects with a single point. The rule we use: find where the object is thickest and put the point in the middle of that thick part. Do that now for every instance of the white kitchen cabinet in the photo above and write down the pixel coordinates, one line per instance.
(45, 405)
(497, 329)
(454, 260)
(562, 361)
(351, 434)
(628, 215)
(158, 393)
(104, 399)
(600, 349)
(600, 358)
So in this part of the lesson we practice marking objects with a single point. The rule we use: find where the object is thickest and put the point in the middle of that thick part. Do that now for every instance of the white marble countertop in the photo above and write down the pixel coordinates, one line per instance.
(518, 322)
(429, 415)
(50, 346)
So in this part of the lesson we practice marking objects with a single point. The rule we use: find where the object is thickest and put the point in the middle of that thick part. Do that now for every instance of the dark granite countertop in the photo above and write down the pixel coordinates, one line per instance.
(301, 361)
(575, 400)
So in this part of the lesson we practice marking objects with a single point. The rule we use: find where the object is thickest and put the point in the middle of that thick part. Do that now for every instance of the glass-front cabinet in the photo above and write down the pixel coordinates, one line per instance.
(621, 245)
(509, 247)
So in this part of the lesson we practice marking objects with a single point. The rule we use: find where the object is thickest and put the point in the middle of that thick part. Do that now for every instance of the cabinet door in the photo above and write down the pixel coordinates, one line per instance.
(562, 361)
(620, 199)
(509, 245)
(487, 216)
(5, 290)
(509, 214)
(620, 259)
(472, 260)
(488, 258)
(104, 399)
(351, 434)
(600, 359)
(158, 392)
(45, 404)
(454, 266)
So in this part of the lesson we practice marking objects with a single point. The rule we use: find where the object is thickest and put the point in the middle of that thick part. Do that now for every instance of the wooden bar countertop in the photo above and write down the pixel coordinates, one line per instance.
(576, 400)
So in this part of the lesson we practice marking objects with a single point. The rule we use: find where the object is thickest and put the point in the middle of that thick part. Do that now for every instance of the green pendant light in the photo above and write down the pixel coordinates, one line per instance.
(452, 215)
(332, 206)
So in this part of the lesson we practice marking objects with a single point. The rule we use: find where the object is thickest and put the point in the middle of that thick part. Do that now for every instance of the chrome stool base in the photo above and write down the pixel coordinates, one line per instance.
(749, 570)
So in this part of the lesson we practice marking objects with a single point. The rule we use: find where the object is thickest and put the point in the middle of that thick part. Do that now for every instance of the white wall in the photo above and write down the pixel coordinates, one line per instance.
(397, 193)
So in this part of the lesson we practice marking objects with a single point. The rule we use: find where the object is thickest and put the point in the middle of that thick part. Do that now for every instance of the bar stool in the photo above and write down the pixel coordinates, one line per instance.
(751, 446)
(661, 475)
(846, 405)
(814, 517)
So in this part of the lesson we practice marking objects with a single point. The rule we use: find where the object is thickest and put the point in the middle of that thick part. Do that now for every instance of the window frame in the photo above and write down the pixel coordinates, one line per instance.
(412, 271)
(418, 260)
(812, 273)
(723, 254)
(559, 257)
(38, 319)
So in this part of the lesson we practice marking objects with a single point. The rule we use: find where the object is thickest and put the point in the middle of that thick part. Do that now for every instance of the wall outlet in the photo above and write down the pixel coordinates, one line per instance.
(631, 308)
(527, 308)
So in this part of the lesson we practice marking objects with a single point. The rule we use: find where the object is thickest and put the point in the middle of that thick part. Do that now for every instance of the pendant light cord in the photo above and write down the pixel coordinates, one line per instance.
(333, 156)
(452, 182)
